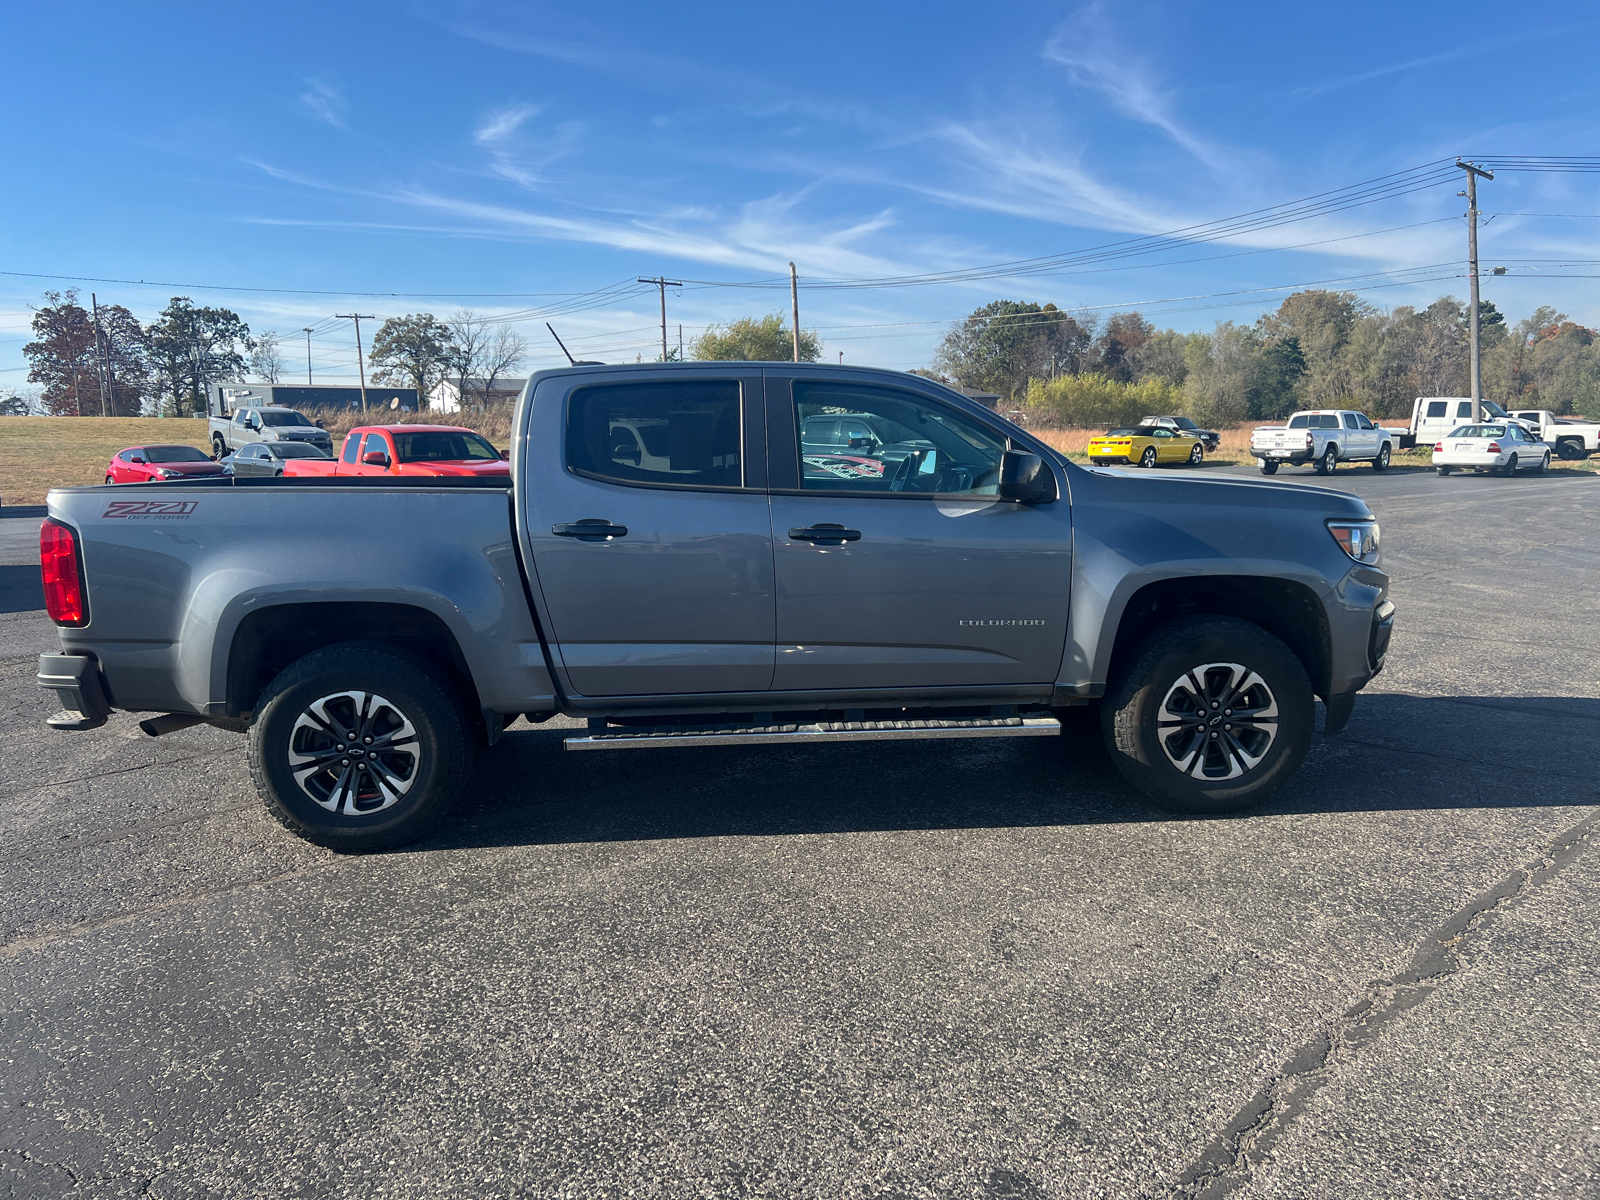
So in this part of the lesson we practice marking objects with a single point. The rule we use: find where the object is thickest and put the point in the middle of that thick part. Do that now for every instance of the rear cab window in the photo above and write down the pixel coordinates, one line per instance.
(686, 434)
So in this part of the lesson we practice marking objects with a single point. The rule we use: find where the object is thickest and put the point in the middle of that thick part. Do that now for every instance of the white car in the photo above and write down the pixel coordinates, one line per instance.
(1503, 448)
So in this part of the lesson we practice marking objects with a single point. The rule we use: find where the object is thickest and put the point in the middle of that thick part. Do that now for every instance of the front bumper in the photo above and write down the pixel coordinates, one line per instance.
(77, 683)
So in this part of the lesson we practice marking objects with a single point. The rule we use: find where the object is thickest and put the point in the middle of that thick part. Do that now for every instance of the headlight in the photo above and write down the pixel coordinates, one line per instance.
(166, 474)
(1358, 539)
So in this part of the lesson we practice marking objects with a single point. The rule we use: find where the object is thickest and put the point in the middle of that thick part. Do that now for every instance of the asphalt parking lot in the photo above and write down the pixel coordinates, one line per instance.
(957, 969)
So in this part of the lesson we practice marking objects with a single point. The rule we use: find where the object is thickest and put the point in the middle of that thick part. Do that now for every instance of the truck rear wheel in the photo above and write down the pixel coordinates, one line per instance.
(1269, 468)
(356, 749)
(1213, 714)
(1571, 449)
(1329, 462)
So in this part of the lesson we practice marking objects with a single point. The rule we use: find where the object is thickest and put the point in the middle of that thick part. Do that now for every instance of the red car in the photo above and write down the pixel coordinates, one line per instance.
(407, 450)
(144, 464)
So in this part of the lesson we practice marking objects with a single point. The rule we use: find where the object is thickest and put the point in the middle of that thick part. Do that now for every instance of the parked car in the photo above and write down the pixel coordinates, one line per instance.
(728, 598)
(1146, 445)
(266, 459)
(407, 450)
(1573, 437)
(146, 464)
(1503, 448)
(1434, 416)
(249, 425)
(1322, 438)
(1210, 438)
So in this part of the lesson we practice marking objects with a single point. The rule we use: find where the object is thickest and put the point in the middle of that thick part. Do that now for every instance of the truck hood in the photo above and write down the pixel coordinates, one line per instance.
(190, 468)
(1143, 487)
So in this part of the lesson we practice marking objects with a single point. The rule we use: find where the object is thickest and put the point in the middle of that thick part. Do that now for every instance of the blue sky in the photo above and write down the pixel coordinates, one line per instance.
(515, 158)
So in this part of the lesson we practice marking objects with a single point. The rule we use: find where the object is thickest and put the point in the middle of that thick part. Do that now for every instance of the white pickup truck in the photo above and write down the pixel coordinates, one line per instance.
(1572, 437)
(1322, 438)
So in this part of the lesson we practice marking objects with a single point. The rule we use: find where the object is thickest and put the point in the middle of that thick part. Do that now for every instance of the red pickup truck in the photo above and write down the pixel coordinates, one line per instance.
(407, 450)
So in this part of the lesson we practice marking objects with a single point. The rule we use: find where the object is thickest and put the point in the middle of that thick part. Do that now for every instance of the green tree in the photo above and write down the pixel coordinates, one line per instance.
(415, 351)
(194, 347)
(754, 339)
(1280, 367)
(1223, 369)
(1004, 344)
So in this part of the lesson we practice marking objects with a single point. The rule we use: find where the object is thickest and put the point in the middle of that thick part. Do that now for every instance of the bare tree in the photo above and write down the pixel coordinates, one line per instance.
(504, 352)
(469, 336)
(266, 360)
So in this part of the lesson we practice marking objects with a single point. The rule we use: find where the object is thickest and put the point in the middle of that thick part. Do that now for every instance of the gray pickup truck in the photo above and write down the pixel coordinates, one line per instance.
(697, 555)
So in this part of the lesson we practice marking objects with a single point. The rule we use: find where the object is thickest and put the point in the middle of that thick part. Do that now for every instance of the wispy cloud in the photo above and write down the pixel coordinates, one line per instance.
(1469, 51)
(650, 72)
(1090, 51)
(325, 102)
(502, 123)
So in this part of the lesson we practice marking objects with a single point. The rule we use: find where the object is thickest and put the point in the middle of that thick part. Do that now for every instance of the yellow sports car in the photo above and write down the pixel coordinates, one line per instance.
(1146, 445)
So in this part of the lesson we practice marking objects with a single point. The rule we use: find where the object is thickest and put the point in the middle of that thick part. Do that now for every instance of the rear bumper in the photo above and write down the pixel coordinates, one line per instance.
(78, 685)
(1294, 457)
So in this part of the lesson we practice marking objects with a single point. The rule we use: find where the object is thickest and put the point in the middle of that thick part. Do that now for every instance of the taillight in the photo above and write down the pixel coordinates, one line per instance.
(63, 580)
(1438, 447)
(1494, 447)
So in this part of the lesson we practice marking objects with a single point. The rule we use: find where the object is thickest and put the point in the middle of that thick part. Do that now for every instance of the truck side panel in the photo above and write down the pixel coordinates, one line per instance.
(187, 565)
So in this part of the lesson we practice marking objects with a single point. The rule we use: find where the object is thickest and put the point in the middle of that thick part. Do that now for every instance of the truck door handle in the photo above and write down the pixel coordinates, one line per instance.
(590, 529)
(825, 533)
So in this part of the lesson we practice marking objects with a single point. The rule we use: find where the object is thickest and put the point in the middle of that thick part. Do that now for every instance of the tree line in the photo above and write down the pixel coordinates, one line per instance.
(103, 362)
(1317, 349)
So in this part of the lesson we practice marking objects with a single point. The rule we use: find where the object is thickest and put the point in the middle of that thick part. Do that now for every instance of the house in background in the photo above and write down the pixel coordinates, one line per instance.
(446, 395)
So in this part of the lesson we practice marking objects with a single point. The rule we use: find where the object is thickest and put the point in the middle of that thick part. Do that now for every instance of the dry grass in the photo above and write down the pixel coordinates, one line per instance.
(39, 453)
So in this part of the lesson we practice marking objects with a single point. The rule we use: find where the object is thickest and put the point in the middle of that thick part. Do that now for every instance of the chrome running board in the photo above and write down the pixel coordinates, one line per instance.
(639, 737)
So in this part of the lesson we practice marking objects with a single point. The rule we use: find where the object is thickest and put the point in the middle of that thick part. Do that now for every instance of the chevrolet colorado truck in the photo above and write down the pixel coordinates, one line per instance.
(675, 561)
(432, 450)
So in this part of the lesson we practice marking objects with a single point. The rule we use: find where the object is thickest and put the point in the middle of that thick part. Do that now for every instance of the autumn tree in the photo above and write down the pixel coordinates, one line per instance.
(61, 356)
(754, 339)
(1002, 345)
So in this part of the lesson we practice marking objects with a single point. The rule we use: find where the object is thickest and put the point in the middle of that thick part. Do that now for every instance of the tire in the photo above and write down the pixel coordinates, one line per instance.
(1186, 769)
(1571, 450)
(1147, 460)
(1544, 463)
(1444, 470)
(218, 446)
(1197, 455)
(1329, 462)
(1381, 463)
(415, 784)
(1510, 469)
(110, 481)
(1269, 468)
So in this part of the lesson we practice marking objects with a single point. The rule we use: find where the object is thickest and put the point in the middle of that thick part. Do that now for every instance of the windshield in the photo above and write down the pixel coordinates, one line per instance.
(174, 454)
(282, 418)
(437, 446)
(295, 450)
(1120, 433)
(1491, 409)
(1472, 431)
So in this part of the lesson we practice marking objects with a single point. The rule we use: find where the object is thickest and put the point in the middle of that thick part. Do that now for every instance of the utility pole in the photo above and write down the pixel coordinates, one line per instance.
(361, 362)
(306, 329)
(99, 370)
(663, 283)
(794, 303)
(680, 343)
(1472, 265)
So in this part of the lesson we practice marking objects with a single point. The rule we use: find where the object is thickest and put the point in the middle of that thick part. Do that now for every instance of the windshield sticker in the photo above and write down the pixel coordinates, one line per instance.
(150, 510)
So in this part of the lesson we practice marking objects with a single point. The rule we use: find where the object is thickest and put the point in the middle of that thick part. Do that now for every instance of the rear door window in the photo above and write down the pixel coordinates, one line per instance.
(1438, 408)
(661, 434)
(1350, 421)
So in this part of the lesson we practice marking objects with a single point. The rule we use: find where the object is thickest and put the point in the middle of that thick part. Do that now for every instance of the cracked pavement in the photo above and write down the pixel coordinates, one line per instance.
(958, 969)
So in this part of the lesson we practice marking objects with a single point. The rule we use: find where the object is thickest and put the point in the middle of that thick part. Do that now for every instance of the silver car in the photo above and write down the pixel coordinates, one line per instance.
(266, 459)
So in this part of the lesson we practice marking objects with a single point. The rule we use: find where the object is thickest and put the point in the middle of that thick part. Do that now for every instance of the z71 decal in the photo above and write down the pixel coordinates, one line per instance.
(156, 510)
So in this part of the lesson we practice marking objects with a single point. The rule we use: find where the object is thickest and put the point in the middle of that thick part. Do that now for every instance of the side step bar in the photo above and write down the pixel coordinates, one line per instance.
(638, 737)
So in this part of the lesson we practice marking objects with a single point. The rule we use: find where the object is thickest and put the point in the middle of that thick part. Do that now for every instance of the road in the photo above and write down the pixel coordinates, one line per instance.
(954, 969)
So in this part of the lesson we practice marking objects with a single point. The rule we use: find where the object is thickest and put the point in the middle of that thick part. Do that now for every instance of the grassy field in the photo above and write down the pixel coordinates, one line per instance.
(39, 453)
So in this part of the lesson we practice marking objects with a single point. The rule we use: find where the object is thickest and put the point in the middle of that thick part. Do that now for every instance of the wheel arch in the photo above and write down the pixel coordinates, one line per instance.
(1287, 609)
(269, 638)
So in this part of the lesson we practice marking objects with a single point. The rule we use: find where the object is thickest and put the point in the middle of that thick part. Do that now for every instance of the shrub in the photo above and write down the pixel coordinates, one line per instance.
(1096, 401)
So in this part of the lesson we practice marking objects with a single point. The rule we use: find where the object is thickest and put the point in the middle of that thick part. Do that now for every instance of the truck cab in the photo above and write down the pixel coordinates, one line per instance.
(407, 450)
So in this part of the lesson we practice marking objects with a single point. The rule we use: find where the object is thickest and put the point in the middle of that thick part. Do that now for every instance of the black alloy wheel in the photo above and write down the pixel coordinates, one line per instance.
(1570, 449)
(358, 749)
(1148, 458)
(219, 448)
(1213, 714)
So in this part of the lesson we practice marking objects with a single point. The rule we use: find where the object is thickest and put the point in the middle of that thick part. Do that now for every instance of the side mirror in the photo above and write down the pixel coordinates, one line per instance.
(505, 454)
(319, 422)
(139, 459)
(1025, 479)
(375, 458)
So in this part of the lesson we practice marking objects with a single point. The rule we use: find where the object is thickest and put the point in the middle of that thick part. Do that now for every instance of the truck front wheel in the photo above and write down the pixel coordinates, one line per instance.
(356, 749)
(1213, 714)
(219, 448)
